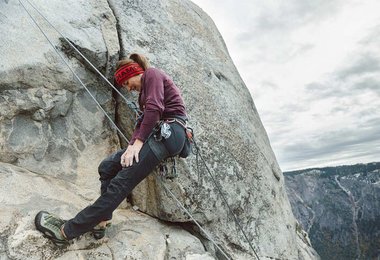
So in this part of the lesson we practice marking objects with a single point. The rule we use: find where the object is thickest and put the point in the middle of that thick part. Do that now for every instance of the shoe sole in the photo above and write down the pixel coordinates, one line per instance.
(46, 232)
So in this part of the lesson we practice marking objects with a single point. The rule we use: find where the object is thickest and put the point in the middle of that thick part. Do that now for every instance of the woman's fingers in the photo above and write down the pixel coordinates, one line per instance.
(122, 159)
(131, 153)
(136, 156)
(130, 159)
(137, 147)
(127, 158)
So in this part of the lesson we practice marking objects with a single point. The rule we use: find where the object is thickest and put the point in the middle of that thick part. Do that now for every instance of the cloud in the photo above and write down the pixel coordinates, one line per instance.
(373, 37)
(333, 89)
(339, 104)
(363, 65)
(333, 145)
(314, 70)
(372, 121)
(371, 84)
(347, 130)
(289, 15)
(355, 78)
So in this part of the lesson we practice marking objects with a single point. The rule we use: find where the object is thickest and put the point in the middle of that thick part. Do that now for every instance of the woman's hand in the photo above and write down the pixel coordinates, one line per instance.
(131, 153)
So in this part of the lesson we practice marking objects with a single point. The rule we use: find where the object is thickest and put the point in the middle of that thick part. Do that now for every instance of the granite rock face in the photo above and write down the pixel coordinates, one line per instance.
(51, 128)
(133, 234)
(340, 209)
(49, 124)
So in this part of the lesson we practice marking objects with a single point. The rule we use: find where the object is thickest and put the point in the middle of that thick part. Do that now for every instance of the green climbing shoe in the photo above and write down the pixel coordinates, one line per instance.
(50, 226)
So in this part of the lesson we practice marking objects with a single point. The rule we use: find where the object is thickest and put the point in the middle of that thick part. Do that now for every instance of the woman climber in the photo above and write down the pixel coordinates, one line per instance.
(162, 105)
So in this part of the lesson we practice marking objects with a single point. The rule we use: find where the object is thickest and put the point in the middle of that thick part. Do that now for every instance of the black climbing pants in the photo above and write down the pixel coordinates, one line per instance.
(117, 182)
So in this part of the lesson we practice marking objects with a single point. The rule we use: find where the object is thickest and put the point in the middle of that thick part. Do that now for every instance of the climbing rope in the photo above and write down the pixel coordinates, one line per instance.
(109, 118)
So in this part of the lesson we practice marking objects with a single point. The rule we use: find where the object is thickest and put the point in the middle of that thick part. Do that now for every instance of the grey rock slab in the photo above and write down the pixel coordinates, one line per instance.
(49, 122)
(132, 235)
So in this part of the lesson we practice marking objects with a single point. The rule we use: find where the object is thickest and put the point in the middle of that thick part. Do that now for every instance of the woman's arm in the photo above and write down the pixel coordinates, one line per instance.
(153, 87)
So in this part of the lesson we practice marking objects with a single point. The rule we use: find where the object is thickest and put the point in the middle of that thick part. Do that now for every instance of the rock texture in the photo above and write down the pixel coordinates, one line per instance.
(340, 209)
(133, 235)
(49, 124)
(51, 127)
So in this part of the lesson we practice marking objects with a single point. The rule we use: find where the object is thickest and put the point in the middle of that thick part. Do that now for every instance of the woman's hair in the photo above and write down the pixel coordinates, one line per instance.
(134, 57)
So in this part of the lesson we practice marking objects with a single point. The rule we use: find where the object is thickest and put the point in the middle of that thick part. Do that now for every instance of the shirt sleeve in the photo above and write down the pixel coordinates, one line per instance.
(153, 87)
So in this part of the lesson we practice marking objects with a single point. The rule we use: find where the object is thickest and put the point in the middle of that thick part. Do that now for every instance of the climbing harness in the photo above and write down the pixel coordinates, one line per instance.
(164, 133)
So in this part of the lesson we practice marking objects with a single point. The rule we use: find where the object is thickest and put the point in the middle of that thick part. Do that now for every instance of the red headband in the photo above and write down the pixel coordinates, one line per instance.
(127, 71)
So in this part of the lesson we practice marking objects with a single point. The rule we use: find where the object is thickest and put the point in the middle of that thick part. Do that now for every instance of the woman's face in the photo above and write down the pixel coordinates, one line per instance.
(133, 83)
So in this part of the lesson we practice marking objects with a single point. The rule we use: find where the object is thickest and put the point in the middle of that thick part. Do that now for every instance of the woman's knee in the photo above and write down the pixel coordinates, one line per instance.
(108, 170)
(104, 169)
(110, 166)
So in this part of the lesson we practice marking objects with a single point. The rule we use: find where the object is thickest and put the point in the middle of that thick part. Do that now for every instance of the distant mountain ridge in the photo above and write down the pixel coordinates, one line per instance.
(341, 170)
(340, 209)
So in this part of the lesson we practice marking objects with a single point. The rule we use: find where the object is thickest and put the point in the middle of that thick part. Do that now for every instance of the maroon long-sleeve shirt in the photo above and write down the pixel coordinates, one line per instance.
(159, 98)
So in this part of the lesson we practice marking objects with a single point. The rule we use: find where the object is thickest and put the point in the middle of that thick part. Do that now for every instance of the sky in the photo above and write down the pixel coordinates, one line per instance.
(313, 70)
